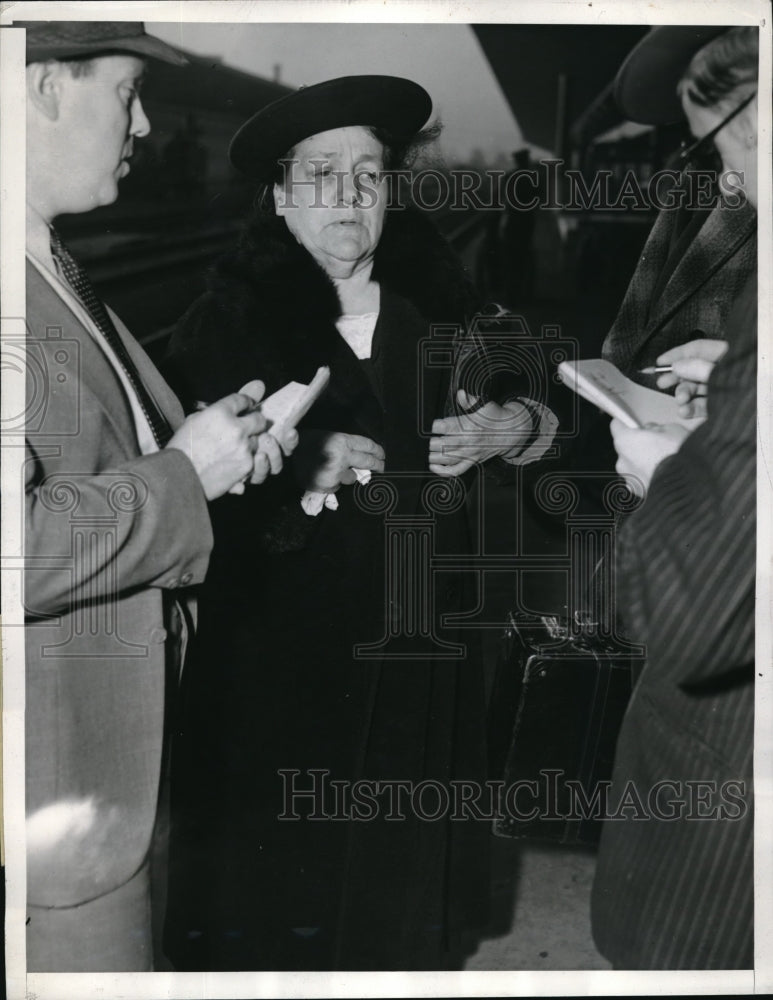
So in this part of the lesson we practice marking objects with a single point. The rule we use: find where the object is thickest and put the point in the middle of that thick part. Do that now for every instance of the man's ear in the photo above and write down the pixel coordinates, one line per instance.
(44, 87)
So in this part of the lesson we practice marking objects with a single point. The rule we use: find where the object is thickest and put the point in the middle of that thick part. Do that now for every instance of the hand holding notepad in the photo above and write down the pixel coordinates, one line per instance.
(284, 409)
(602, 384)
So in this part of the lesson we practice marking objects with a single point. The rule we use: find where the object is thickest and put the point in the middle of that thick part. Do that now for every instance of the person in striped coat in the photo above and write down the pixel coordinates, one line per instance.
(674, 882)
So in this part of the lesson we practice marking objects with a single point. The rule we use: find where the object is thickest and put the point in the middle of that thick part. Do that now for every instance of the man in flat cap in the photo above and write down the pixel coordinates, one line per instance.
(117, 528)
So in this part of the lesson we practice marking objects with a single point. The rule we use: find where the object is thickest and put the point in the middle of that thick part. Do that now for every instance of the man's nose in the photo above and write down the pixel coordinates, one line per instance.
(140, 123)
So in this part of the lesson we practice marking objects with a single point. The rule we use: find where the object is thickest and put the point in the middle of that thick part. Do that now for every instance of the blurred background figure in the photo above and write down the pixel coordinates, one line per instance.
(529, 187)
(185, 160)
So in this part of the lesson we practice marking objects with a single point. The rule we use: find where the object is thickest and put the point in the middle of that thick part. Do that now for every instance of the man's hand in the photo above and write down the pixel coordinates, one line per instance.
(325, 460)
(463, 441)
(641, 450)
(692, 363)
(221, 441)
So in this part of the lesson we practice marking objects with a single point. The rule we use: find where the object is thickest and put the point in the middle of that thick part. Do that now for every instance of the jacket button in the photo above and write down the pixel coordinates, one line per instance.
(157, 636)
(185, 579)
(173, 582)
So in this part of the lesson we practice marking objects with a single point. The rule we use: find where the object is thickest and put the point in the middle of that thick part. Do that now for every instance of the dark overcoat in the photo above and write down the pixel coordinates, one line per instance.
(274, 684)
(674, 883)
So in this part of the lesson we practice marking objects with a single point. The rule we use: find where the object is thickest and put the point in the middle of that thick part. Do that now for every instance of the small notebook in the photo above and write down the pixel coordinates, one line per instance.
(288, 405)
(601, 383)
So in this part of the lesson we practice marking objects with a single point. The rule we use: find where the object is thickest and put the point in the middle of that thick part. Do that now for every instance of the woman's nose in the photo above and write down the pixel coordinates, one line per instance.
(349, 190)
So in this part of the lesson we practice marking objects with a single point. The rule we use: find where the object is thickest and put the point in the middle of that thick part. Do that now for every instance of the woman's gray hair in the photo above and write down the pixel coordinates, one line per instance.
(725, 68)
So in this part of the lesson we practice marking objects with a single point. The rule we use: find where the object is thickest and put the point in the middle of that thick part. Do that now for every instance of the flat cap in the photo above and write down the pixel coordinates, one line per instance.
(75, 39)
(397, 105)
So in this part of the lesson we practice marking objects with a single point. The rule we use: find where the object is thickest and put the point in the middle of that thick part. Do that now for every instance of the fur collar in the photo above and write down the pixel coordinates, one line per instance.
(412, 260)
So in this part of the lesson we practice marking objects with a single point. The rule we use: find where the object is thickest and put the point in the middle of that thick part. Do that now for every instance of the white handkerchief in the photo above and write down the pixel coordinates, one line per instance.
(313, 501)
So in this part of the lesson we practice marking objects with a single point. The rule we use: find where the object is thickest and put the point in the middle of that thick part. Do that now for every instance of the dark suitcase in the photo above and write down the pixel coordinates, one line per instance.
(567, 691)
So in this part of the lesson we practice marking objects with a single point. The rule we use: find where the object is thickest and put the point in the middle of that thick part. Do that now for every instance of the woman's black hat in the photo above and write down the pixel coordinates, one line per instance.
(397, 105)
(645, 85)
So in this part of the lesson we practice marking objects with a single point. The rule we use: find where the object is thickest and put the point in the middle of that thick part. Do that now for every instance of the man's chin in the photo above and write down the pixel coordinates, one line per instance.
(107, 195)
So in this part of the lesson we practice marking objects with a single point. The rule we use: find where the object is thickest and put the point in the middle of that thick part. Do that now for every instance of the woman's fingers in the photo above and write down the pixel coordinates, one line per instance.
(447, 425)
(365, 460)
(455, 469)
(358, 443)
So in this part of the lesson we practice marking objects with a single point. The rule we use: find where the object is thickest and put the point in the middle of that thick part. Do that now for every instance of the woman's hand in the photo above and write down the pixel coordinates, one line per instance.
(463, 441)
(324, 460)
(692, 364)
(640, 451)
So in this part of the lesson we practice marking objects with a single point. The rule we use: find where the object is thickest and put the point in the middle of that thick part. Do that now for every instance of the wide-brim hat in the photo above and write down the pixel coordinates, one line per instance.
(81, 39)
(397, 105)
(645, 85)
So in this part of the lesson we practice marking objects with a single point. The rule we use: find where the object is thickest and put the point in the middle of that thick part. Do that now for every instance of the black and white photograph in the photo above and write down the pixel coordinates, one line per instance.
(386, 508)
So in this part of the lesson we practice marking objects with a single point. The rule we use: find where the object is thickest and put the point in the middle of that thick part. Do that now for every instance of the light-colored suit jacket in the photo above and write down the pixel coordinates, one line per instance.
(108, 531)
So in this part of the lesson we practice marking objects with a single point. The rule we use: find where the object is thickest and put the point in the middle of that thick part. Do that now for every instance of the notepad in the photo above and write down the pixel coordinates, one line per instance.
(287, 406)
(604, 385)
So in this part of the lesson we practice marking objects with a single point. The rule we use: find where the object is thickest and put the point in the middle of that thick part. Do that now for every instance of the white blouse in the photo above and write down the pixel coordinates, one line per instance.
(357, 331)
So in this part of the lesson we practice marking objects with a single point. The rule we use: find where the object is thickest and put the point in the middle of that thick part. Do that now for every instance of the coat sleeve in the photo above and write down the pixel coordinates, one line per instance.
(95, 536)
(686, 558)
(495, 361)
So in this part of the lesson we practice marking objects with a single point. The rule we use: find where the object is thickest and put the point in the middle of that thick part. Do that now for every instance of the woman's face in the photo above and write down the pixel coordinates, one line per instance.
(333, 198)
(736, 143)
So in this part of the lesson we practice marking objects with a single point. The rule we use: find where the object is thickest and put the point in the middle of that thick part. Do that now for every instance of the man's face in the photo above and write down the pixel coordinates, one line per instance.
(100, 114)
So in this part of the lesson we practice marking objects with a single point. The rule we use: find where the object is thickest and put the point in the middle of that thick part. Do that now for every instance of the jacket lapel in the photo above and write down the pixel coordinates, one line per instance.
(718, 239)
(95, 372)
(154, 382)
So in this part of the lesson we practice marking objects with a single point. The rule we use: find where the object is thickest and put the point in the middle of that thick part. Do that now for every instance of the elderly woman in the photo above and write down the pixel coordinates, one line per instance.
(326, 662)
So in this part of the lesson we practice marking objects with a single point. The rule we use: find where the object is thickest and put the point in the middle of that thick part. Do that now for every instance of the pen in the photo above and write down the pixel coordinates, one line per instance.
(656, 369)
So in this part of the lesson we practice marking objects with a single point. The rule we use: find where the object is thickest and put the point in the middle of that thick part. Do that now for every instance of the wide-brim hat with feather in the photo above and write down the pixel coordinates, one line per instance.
(645, 85)
(399, 106)
(82, 39)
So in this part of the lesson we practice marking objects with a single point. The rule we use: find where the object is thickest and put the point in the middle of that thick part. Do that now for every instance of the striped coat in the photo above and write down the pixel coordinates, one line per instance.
(677, 893)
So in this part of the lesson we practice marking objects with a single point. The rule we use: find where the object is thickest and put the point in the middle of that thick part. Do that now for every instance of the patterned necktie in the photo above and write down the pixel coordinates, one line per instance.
(79, 282)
